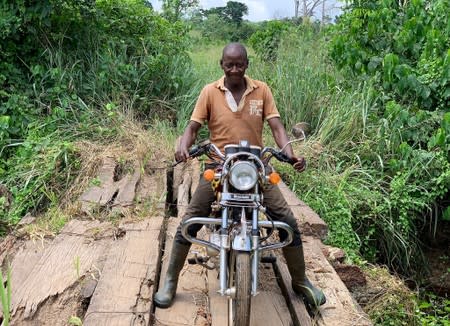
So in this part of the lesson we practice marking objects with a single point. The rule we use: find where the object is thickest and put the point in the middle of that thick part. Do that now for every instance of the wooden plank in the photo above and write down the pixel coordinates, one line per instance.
(151, 191)
(125, 287)
(184, 194)
(41, 270)
(268, 306)
(190, 303)
(295, 304)
(102, 194)
(117, 319)
(127, 190)
(340, 308)
(218, 305)
(187, 184)
(195, 172)
(309, 221)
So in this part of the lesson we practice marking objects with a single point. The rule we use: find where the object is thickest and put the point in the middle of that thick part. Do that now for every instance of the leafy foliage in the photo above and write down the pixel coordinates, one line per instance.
(223, 23)
(265, 42)
(68, 65)
(379, 170)
(232, 13)
(174, 9)
(405, 45)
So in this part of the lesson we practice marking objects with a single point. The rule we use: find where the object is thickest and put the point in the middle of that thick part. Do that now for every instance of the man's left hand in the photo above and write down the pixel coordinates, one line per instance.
(300, 164)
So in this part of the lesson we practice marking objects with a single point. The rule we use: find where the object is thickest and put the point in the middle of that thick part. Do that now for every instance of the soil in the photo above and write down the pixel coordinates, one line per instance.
(438, 260)
(351, 275)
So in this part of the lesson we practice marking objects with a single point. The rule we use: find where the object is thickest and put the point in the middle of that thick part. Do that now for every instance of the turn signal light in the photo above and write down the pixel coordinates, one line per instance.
(274, 178)
(208, 175)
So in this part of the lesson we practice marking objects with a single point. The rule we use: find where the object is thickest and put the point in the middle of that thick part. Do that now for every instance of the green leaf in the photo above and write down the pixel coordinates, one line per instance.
(446, 214)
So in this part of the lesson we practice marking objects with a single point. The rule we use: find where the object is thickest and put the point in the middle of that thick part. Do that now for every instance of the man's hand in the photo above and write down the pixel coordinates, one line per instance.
(300, 164)
(188, 138)
(182, 153)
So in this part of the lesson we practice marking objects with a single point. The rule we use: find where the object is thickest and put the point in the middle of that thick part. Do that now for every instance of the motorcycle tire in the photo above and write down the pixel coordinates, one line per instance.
(243, 283)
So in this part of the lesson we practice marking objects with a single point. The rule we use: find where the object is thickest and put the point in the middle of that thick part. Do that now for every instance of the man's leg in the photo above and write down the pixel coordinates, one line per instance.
(278, 209)
(200, 205)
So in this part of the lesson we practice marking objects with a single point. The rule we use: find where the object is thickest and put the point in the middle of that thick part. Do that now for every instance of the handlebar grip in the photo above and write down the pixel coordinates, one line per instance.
(194, 152)
(284, 158)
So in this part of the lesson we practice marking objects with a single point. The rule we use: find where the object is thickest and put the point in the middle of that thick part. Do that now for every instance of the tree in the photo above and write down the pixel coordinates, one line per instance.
(174, 9)
(233, 12)
(309, 7)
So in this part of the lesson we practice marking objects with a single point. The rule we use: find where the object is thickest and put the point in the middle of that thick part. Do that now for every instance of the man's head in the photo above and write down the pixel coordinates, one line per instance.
(234, 62)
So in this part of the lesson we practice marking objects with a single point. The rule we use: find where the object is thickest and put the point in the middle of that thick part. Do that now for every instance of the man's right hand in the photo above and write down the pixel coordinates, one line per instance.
(185, 141)
(300, 164)
(182, 152)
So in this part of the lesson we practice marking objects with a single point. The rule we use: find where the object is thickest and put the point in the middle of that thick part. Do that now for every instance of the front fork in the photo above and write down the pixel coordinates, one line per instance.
(243, 240)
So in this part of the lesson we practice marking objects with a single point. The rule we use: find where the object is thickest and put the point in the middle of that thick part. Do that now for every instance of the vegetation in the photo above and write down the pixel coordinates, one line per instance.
(66, 69)
(374, 89)
(5, 296)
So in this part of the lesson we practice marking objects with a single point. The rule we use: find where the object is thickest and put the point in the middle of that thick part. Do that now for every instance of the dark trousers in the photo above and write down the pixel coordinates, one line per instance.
(277, 209)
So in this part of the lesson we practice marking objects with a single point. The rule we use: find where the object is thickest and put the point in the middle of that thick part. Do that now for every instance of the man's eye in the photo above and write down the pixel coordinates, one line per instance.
(237, 65)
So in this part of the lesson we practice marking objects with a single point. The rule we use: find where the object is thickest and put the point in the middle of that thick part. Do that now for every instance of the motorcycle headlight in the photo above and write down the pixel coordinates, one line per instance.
(243, 175)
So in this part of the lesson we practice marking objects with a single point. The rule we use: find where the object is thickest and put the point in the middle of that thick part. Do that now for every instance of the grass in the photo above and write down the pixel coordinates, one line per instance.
(5, 296)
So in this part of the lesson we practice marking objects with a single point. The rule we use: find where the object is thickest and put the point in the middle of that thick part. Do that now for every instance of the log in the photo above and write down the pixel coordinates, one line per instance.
(124, 291)
(295, 304)
(190, 303)
(41, 270)
(340, 308)
(309, 221)
(268, 306)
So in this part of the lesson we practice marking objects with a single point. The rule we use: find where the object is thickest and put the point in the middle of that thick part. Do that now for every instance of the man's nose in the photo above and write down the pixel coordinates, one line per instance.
(234, 68)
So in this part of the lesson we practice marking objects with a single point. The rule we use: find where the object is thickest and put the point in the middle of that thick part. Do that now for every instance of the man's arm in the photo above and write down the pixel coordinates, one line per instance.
(280, 135)
(188, 138)
(281, 138)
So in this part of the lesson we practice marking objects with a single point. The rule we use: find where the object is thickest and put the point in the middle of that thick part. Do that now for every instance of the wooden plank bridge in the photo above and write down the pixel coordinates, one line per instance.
(106, 273)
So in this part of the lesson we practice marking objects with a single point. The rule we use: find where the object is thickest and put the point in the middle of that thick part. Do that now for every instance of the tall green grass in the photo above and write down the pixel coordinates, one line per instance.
(5, 296)
(364, 181)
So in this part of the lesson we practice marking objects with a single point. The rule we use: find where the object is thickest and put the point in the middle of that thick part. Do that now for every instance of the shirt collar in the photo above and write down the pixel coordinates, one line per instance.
(251, 85)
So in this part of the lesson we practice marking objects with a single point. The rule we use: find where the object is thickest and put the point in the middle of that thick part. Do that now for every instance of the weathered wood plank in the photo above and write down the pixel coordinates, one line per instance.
(151, 191)
(184, 194)
(187, 181)
(340, 308)
(121, 194)
(189, 307)
(195, 172)
(127, 189)
(218, 305)
(296, 306)
(102, 194)
(41, 270)
(309, 221)
(118, 319)
(268, 306)
(125, 286)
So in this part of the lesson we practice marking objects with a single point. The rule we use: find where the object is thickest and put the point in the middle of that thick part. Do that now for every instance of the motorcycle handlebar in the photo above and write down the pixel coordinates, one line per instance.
(199, 150)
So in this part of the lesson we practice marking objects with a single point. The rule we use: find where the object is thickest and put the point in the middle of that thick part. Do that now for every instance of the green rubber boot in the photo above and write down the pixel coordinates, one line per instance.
(300, 283)
(164, 297)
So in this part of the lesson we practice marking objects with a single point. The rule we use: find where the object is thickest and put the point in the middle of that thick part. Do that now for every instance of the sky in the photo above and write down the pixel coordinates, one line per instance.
(260, 10)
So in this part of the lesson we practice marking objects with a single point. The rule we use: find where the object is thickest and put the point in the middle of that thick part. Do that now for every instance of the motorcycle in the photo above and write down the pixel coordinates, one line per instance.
(237, 233)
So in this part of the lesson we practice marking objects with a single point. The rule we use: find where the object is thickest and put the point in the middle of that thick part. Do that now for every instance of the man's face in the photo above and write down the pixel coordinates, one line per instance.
(234, 65)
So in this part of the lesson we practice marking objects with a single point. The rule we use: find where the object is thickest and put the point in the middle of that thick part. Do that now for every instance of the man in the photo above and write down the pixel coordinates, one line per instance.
(235, 108)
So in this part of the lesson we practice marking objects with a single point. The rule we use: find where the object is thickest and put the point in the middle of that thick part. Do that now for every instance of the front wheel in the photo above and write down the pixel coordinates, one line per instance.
(241, 303)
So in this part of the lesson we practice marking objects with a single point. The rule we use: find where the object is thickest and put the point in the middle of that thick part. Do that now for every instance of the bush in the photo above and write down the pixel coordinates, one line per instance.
(67, 65)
